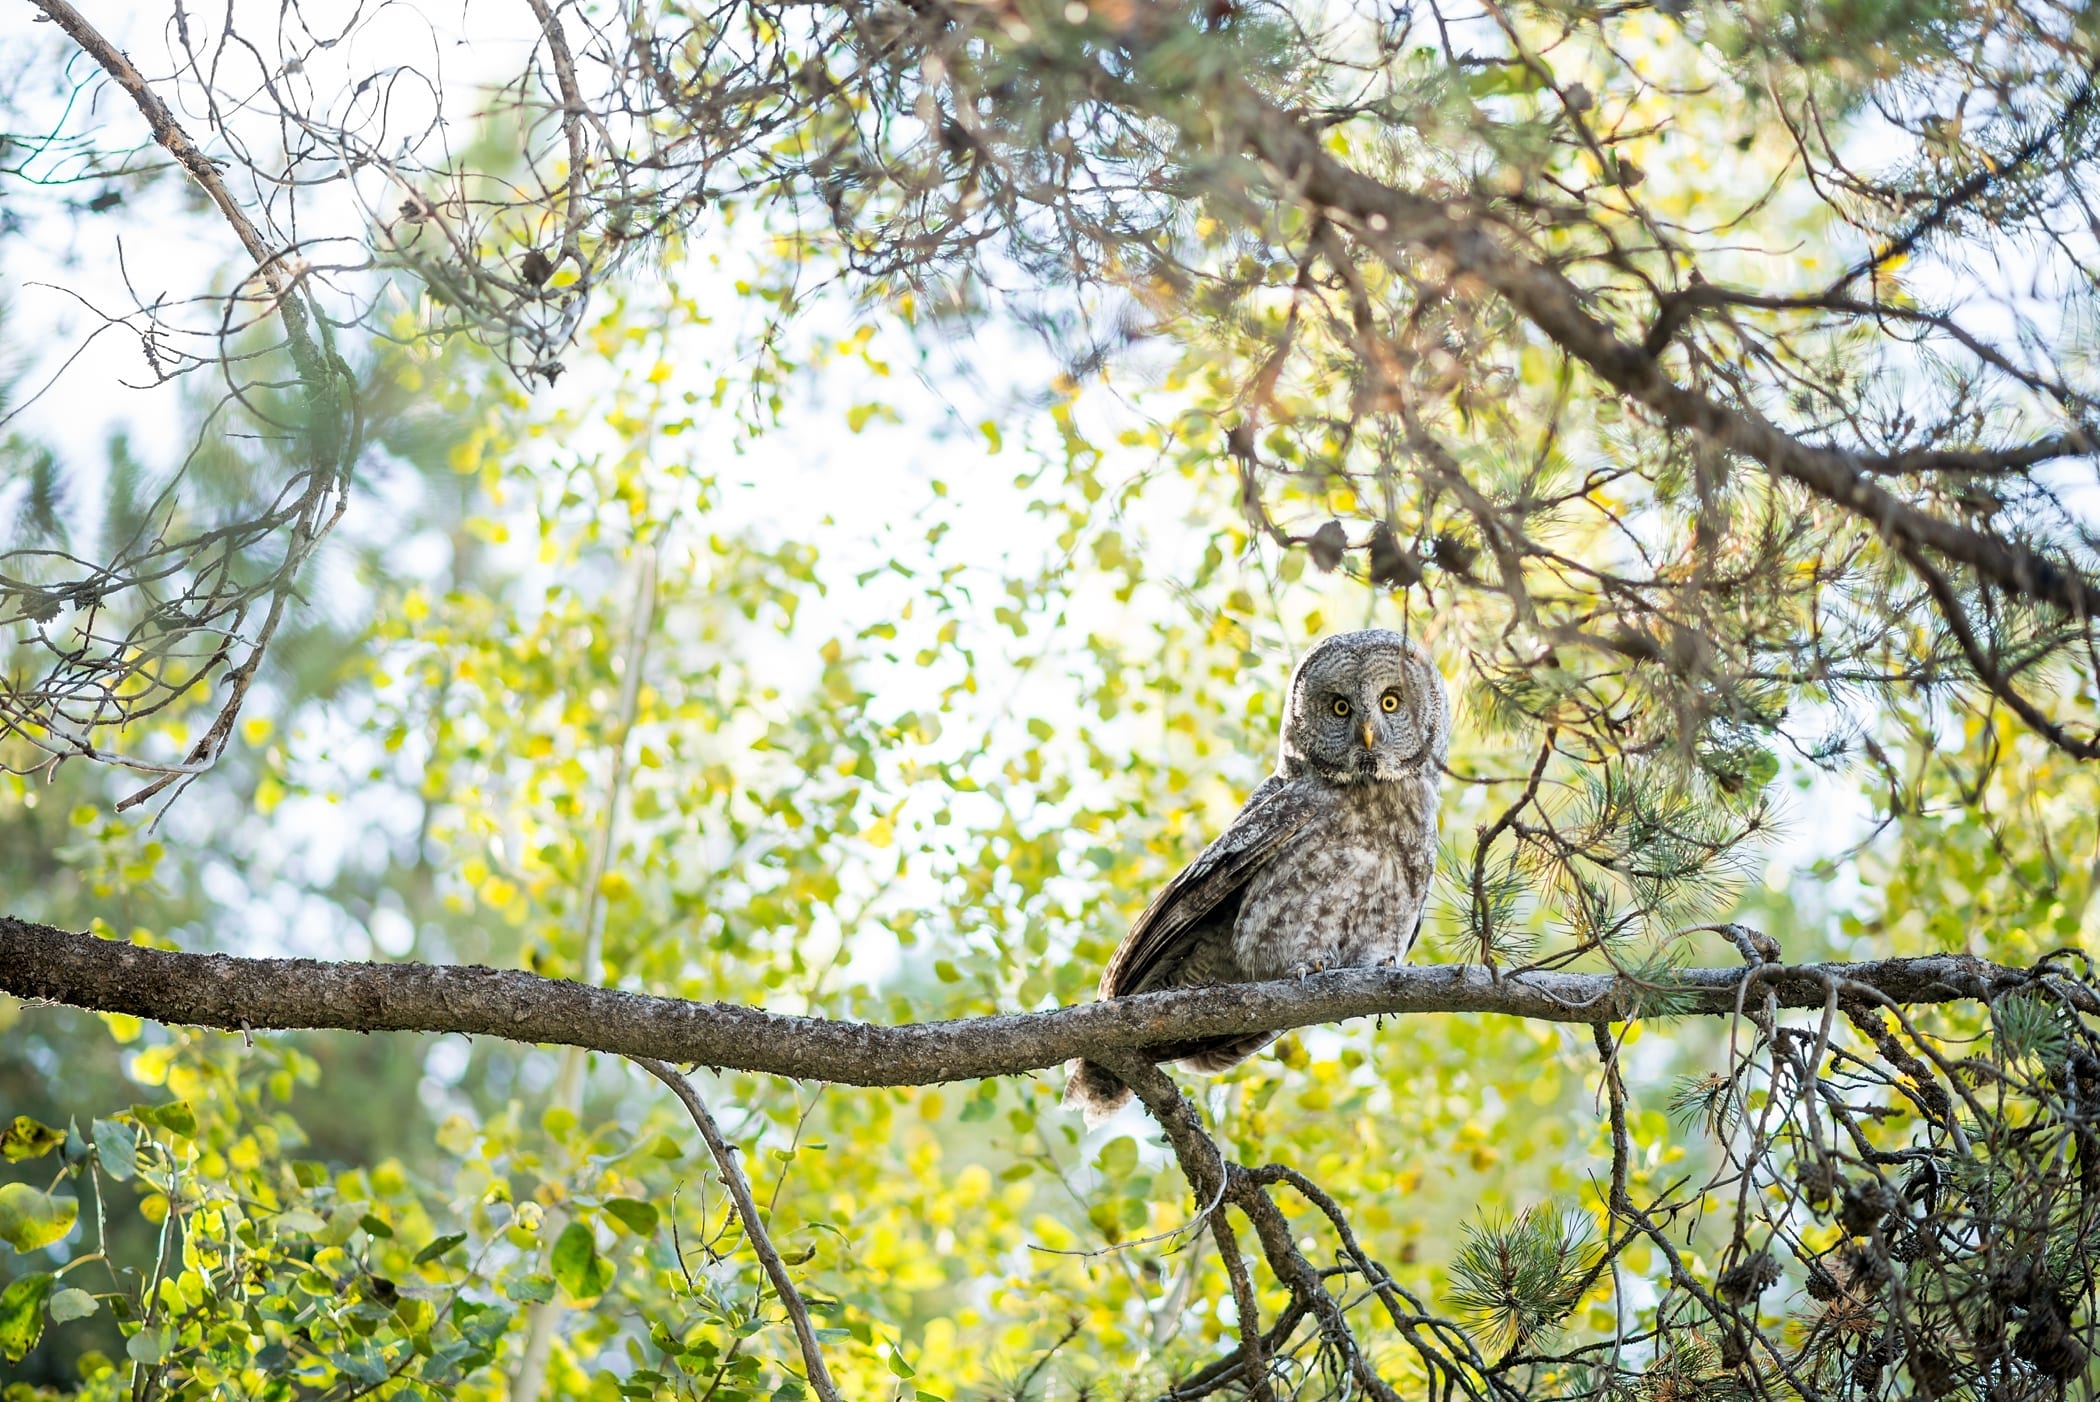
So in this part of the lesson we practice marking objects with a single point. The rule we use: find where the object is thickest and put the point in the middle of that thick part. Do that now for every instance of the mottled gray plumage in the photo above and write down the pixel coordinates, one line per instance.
(1327, 866)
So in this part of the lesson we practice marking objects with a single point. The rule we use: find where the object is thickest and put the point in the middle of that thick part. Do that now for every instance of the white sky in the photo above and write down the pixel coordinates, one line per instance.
(870, 484)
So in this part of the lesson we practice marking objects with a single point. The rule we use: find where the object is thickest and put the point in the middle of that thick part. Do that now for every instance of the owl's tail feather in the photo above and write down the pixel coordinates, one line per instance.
(1094, 1091)
(1097, 1092)
(1222, 1055)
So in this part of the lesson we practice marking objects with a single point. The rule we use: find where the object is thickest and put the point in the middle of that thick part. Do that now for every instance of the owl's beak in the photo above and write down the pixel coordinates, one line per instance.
(1370, 737)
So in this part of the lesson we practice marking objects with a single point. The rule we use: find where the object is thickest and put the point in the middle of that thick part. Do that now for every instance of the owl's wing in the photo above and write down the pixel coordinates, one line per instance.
(1273, 815)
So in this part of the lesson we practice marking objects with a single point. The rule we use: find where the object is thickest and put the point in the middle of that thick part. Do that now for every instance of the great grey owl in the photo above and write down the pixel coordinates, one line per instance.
(1328, 865)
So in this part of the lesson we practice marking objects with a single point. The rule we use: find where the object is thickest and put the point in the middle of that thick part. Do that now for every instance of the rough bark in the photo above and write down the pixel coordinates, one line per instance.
(38, 962)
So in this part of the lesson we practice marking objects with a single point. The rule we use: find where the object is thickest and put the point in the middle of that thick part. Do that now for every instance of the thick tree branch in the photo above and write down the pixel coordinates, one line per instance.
(572, 114)
(39, 962)
(1399, 222)
(1212, 1176)
(1253, 1356)
(1985, 666)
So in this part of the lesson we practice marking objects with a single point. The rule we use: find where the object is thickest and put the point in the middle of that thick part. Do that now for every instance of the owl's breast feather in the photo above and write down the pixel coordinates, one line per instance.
(1347, 892)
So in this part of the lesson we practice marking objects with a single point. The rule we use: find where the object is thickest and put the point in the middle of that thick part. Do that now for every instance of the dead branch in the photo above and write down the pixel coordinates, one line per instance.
(754, 1226)
(313, 502)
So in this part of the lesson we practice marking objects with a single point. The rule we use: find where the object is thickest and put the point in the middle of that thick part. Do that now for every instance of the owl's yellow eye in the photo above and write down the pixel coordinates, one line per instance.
(1390, 702)
(1341, 707)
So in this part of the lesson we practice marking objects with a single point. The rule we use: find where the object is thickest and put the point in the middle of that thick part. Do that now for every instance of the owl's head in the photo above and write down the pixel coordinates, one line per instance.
(1365, 707)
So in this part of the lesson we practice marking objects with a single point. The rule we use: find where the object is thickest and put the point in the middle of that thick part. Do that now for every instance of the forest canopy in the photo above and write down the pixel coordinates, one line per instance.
(688, 569)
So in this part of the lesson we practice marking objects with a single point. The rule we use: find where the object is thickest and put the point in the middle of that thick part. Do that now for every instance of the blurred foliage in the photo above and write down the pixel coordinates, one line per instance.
(608, 683)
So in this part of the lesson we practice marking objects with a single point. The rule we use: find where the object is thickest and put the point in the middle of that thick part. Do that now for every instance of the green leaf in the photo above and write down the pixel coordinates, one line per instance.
(148, 1346)
(635, 1215)
(76, 1149)
(30, 1219)
(374, 1227)
(363, 1365)
(22, 1313)
(1504, 80)
(899, 1366)
(176, 1117)
(69, 1304)
(439, 1247)
(29, 1139)
(1118, 1158)
(578, 1268)
(1519, 1279)
(415, 1315)
(342, 1224)
(117, 1149)
(1762, 768)
(534, 1289)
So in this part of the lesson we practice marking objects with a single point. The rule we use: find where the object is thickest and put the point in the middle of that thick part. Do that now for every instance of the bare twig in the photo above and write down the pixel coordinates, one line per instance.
(169, 133)
(308, 517)
(754, 1225)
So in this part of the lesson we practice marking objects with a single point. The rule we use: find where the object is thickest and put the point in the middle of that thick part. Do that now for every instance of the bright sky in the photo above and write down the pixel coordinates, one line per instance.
(872, 486)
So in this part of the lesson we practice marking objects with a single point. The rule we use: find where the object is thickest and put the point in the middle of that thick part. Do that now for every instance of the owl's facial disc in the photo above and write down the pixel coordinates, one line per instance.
(1365, 707)
(1393, 742)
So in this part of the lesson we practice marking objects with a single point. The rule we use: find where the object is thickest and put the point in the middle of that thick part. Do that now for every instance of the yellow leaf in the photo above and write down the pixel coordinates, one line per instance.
(122, 1026)
(31, 1220)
